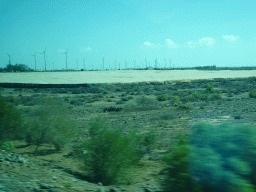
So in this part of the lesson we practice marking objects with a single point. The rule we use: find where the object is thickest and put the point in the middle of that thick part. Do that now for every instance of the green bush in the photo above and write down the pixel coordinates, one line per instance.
(196, 95)
(223, 160)
(252, 94)
(7, 146)
(11, 122)
(51, 126)
(144, 100)
(177, 177)
(205, 96)
(161, 97)
(1, 89)
(12, 99)
(149, 139)
(109, 153)
(176, 98)
(209, 87)
(216, 96)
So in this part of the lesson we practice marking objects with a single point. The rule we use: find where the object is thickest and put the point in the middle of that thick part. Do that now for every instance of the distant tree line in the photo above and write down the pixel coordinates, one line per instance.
(16, 68)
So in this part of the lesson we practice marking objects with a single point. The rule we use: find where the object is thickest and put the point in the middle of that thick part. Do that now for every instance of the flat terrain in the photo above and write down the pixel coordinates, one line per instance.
(122, 76)
(52, 171)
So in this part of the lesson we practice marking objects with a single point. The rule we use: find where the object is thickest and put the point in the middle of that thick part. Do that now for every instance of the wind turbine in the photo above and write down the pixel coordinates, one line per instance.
(77, 64)
(66, 59)
(35, 60)
(103, 63)
(156, 63)
(84, 64)
(9, 58)
(44, 59)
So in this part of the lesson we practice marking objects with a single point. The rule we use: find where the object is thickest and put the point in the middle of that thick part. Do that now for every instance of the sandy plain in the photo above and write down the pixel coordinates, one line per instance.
(123, 76)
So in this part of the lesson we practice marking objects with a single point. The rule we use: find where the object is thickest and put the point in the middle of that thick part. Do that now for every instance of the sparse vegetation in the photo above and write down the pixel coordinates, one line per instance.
(145, 100)
(11, 126)
(52, 126)
(216, 95)
(176, 98)
(177, 177)
(161, 97)
(209, 87)
(109, 153)
(1, 89)
(12, 99)
(252, 94)
(204, 96)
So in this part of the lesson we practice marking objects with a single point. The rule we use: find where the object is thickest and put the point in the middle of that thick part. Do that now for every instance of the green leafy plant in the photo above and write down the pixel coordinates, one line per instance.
(223, 160)
(176, 98)
(216, 96)
(196, 95)
(68, 185)
(51, 126)
(252, 94)
(143, 100)
(12, 122)
(209, 87)
(7, 146)
(177, 177)
(109, 153)
(1, 89)
(149, 139)
(205, 96)
(161, 97)
(12, 99)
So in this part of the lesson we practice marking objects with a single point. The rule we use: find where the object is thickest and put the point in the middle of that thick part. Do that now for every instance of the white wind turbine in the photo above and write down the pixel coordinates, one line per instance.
(35, 60)
(66, 59)
(44, 59)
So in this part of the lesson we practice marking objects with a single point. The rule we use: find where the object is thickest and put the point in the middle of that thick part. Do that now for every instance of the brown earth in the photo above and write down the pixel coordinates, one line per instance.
(59, 171)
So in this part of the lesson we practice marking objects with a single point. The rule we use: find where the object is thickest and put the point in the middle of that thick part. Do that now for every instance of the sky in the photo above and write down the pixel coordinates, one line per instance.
(175, 33)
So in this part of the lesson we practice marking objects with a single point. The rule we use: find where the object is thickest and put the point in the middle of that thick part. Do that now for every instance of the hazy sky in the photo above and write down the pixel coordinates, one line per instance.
(189, 32)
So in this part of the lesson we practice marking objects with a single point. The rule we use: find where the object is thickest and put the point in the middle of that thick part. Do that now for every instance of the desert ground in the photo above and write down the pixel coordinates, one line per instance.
(125, 105)
(122, 76)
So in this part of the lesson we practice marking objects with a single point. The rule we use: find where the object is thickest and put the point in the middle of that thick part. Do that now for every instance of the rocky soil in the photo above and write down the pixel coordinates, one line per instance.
(21, 170)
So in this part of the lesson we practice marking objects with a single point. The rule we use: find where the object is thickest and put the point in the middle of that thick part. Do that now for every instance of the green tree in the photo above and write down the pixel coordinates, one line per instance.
(109, 153)
(12, 122)
(178, 177)
(51, 126)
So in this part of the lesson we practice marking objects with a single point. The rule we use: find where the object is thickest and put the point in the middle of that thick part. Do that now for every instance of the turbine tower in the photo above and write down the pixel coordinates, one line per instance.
(35, 60)
(44, 59)
(66, 59)
(84, 64)
(9, 58)
(103, 63)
